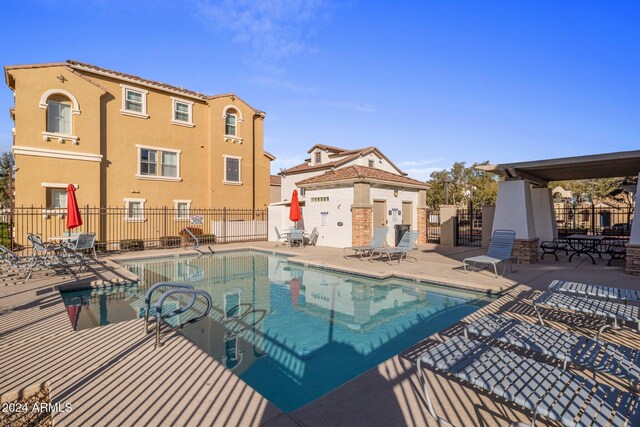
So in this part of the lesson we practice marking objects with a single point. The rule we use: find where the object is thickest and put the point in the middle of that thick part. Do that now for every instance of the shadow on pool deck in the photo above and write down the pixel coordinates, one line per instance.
(113, 376)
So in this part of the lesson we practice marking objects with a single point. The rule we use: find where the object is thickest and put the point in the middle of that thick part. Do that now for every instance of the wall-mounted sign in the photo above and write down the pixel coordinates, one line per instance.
(324, 218)
(196, 219)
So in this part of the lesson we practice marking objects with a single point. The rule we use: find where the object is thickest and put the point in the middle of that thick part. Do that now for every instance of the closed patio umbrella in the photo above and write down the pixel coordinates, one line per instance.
(294, 211)
(73, 212)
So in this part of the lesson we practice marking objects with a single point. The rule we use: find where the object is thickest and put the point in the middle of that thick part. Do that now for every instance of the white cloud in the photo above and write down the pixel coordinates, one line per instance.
(414, 163)
(282, 84)
(271, 29)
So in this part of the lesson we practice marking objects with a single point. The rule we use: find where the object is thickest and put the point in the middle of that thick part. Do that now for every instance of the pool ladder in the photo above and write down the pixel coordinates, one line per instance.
(186, 230)
(175, 288)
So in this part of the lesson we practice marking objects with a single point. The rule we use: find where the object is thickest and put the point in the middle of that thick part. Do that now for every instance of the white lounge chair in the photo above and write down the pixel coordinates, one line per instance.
(499, 251)
(406, 244)
(377, 241)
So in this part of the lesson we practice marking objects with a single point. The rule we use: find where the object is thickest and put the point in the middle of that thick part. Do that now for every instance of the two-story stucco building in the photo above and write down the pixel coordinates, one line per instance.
(126, 141)
(345, 194)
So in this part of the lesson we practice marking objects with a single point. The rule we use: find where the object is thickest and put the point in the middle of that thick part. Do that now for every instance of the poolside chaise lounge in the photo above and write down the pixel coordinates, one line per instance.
(499, 251)
(607, 309)
(597, 291)
(552, 392)
(377, 241)
(405, 245)
(596, 355)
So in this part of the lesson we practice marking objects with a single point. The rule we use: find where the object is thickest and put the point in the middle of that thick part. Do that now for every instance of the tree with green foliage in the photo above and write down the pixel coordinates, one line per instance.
(587, 190)
(6, 163)
(466, 184)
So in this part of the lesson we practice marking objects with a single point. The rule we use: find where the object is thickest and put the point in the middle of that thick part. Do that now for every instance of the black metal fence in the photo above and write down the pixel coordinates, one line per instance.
(118, 228)
(592, 219)
(433, 226)
(469, 226)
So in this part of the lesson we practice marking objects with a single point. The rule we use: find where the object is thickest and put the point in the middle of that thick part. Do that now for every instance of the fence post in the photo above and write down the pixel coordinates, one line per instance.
(164, 222)
(593, 219)
(224, 223)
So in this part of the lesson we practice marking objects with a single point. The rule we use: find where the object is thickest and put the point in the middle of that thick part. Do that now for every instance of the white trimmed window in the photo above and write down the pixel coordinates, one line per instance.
(231, 124)
(134, 209)
(318, 157)
(183, 208)
(372, 163)
(158, 163)
(232, 170)
(181, 112)
(134, 101)
(59, 117)
(56, 198)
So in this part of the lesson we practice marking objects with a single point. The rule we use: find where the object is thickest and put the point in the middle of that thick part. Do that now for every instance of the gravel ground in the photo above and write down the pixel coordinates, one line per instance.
(27, 412)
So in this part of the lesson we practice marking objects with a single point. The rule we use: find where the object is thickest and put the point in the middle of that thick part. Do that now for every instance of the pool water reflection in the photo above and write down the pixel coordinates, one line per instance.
(292, 333)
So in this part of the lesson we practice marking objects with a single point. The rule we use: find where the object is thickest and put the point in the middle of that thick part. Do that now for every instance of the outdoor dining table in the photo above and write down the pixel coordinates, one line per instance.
(584, 244)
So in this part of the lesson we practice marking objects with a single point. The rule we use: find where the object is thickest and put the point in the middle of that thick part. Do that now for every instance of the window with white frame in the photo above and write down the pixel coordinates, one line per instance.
(232, 169)
(134, 209)
(158, 163)
(372, 163)
(58, 117)
(230, 124)
(318, 157)
(183, 208)
(56, 198)
(182, 112)
(134, 101)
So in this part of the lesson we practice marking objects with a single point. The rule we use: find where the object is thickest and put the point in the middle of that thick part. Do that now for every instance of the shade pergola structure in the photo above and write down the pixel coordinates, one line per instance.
(525, 202)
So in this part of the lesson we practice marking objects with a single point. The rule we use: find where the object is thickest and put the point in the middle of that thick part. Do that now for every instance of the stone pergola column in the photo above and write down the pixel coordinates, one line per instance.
(633, 250)
(448, 216)
(422, 216)
(544, 216)
(361, 215)
(514, 211)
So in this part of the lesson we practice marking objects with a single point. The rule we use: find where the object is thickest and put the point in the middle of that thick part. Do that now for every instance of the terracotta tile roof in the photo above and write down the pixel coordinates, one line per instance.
(305, 167)
(118, 74)
(361, 173)
(275, 180)
(326, 147)
(349, 155)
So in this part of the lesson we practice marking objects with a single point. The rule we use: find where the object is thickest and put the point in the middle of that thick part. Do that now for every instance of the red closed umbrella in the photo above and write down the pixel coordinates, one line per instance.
(73, 212)
(294, 211)
(294, 291)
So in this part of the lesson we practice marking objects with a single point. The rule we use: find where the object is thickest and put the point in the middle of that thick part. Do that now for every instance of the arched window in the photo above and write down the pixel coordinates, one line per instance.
(59, 114)
(232, 117)
(231, 123)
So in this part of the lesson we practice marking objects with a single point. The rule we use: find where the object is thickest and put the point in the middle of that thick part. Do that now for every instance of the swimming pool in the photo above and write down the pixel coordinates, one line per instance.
(293, 333)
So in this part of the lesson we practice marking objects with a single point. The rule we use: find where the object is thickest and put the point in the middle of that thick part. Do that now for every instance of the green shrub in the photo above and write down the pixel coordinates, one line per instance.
(131, 245)
(194, 230)
(170, 241)
(207, 238)
(100, 246)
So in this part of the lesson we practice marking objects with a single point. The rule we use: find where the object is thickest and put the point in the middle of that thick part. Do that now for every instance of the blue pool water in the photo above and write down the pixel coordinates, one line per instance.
(292, 333)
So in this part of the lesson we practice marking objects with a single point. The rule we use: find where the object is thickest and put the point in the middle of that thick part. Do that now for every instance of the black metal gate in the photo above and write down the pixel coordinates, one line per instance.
(433, 226)
(469, 226)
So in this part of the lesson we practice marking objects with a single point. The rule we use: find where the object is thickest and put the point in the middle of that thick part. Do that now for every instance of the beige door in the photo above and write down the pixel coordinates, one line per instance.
(407, 213)
(379, 213)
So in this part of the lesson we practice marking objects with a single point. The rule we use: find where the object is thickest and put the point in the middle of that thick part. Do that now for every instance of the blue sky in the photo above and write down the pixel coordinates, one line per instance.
(428, 82)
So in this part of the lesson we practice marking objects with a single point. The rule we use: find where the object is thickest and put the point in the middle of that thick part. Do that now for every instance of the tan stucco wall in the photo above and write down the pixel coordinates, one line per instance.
(103, 130)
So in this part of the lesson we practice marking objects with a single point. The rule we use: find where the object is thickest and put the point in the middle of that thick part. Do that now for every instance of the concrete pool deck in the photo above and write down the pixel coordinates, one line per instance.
(113, 376)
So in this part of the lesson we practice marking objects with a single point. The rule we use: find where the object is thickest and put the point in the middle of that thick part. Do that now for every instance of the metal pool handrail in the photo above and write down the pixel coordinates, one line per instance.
(194, 293)
(151, 290)
(186, 229)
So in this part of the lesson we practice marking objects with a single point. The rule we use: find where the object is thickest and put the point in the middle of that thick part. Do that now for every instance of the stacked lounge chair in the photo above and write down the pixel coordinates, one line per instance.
(613, 311)
(596, 355)
(595, 291)
(545, 390)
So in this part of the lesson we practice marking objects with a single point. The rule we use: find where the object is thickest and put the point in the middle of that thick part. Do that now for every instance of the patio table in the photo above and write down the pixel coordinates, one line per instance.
(584, 244)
